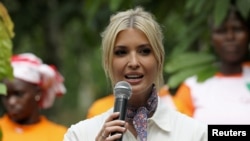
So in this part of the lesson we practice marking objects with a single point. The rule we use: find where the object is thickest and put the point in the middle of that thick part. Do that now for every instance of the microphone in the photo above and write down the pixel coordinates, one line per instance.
(122, 92)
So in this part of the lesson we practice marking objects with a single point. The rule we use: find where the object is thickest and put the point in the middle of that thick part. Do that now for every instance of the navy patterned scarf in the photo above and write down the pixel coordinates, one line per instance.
(140, 115)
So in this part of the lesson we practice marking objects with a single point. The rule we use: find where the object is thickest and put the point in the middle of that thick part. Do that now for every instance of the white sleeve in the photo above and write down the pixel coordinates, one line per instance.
(74, 133)
(86, 130)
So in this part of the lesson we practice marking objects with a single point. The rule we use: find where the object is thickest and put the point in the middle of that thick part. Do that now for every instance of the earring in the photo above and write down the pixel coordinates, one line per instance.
(37, 97)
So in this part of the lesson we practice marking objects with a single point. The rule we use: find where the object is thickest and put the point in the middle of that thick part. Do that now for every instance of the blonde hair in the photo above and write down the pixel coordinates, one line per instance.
(139, 19)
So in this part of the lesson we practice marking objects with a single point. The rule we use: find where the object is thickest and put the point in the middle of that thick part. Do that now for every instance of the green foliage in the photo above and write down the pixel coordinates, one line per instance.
(3, 89)
(188, 59)
(6, 34)
(115, 4)
(188, 64)
(220, 10)
(244, 7)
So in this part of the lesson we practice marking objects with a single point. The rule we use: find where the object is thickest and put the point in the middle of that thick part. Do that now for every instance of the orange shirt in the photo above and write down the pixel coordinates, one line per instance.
(103, 104)
(45, 130)
(221, 99)
(183, 100)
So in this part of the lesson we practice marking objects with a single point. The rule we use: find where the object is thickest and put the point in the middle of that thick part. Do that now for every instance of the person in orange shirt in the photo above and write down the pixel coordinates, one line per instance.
(225, 97)
(34, 87)
(103, 104)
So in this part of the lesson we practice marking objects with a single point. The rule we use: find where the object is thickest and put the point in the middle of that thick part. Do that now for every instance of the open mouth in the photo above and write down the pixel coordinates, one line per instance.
(134, 76)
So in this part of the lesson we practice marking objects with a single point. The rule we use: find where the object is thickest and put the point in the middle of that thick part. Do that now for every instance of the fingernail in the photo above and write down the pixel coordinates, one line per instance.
(119, 134)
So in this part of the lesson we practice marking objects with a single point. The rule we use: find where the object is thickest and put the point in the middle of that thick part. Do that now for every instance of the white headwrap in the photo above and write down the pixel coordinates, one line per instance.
(30, 68)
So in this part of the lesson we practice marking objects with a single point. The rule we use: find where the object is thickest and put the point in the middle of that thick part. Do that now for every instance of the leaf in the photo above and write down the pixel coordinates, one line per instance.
(220, 11)
(190, 4)
(4, 16)
(244, 7)
(188, 37)
(207, 73)
(188, 59)
(5, 45)
(176, 79)
(3, 90)
(114, 4)
(198, 6)
(5, 55)
(91, 8)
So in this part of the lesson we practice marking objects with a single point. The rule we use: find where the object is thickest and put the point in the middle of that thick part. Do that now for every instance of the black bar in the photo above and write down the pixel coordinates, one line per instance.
(235, 132)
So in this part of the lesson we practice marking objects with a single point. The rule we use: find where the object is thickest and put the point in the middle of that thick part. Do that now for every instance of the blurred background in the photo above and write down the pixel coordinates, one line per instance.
(67, 34)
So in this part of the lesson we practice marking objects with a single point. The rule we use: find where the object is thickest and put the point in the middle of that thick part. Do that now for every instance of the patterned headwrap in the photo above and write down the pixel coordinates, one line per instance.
(30, 68)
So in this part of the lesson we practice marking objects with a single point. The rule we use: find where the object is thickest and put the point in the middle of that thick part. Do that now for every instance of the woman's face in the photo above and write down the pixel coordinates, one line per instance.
(231, 40)
(20, 100)
(134, 60)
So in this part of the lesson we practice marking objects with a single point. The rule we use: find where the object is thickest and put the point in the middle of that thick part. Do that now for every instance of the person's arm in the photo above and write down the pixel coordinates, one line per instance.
(183, 100)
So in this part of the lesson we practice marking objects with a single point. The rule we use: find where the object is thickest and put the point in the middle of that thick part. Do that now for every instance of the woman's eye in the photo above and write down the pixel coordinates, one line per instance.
(239, 29)
(13, 93)
(120, 52)
(220, 30)
(19, 93)
(145, 51)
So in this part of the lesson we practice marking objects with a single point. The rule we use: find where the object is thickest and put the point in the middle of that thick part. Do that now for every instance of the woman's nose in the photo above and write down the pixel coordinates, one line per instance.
(230, 35)
(133, 61)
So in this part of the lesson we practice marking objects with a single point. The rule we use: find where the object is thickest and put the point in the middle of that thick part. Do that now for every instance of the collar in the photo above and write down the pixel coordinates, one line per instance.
(164, 116)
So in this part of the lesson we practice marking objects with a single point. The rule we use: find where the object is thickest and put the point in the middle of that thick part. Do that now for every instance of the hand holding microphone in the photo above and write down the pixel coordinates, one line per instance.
(122, 92)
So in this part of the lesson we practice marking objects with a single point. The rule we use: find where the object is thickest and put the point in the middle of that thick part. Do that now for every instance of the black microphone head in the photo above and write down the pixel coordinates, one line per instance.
(123, 90)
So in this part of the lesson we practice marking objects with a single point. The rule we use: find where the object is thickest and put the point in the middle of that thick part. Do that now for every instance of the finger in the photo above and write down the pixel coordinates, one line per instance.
(114, 137)
(113, 116)
(111, 122)
(111, 131)
(112, 126)
(106, 134)
(104, 137)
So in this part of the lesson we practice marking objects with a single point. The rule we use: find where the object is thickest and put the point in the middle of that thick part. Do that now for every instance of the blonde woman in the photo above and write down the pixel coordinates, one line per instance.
(133, 52)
